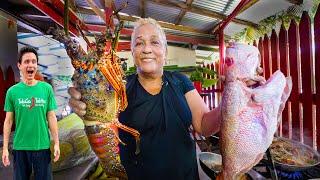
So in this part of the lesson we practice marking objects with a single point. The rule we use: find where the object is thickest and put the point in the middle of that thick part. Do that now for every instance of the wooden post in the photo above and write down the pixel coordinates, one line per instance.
(221, 64)
(255, 43)
(306, 73)
(260, 47)
(284, 60)
(266, 53)
(275, 63)
(274, 52)
(294, 96)
(317, 71)
(212, 89)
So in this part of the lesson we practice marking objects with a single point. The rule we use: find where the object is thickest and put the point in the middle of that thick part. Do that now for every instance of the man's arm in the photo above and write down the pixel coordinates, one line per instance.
(53, 126)
(6, 135)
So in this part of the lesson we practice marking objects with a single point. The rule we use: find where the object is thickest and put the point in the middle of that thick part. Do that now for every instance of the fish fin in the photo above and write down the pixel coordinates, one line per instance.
(285, 96)
(256, 161)
(219, 176)
(270, 90)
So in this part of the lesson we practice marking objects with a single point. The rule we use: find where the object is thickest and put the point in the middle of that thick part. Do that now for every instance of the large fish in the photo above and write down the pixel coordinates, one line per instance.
(250, 116)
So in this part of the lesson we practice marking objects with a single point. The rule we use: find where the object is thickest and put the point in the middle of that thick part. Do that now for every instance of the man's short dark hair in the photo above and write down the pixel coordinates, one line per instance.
(25, 50)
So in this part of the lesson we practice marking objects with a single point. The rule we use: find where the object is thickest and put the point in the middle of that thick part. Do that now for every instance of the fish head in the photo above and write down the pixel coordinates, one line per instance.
(242, 61)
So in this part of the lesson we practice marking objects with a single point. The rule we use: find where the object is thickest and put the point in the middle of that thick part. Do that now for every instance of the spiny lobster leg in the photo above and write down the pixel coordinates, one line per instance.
(132, 131)
(116, 132)
(109, 78)
(111, 70)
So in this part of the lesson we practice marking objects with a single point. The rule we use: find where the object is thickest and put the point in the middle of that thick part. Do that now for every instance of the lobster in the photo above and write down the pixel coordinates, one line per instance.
(100, 79)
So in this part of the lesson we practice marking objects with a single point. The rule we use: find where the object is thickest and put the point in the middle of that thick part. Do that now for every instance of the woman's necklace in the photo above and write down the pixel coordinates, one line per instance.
(147, 83)
(153, 88)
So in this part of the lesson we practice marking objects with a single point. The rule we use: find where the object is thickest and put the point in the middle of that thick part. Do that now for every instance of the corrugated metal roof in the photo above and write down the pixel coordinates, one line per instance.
(161, 13)
(187, 34)
(233, 28)
(81, 3)
(92, 19)
(170, 14)
(221, 6)
(131, 9)
(198, 21)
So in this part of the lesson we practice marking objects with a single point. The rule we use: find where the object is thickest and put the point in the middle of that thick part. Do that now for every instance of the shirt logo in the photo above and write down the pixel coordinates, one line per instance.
(31, 102)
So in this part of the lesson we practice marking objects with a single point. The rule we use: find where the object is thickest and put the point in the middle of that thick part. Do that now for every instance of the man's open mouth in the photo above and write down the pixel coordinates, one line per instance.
(30, 72)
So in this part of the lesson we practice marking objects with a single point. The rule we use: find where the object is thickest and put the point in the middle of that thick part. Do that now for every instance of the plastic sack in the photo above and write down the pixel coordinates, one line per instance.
(74, 145)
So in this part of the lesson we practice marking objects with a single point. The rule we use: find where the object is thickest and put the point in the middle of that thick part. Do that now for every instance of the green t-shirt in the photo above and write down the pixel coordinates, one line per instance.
(30, 105)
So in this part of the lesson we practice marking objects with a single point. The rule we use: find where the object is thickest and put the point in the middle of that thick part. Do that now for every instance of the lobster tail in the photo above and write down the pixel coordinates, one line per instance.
(104, 143)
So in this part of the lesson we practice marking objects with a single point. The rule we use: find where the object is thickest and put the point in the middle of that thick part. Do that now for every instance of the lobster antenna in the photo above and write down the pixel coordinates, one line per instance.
(117, 35)
(66, 17)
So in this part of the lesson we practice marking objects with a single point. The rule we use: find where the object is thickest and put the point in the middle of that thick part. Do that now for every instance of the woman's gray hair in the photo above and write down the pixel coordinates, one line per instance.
(144, 21)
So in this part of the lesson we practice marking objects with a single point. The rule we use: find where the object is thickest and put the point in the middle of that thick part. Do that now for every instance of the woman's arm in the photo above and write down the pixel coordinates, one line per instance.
(205, 122)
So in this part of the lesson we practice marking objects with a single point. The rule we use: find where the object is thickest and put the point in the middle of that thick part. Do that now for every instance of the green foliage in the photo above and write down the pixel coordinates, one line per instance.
(133, 70)
(314, 7)
(265, 26)
(198, 75)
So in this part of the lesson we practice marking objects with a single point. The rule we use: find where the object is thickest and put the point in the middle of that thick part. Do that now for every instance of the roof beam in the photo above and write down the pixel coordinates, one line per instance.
(73, 18)
(247, 6)
(142, 8)
(12, 10)
(108, 11)
(96, 10)
(167, 25)
(170, 37)
(162, 24)
(201, 11)
(183, 12)
(36, 17)
(234, 13)
(127, 32)
(52, 14)
(296, 2)
(224, 23)
(29, 27)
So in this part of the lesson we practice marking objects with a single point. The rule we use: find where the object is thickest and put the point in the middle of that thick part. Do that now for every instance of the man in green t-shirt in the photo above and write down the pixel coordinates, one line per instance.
(30, 104)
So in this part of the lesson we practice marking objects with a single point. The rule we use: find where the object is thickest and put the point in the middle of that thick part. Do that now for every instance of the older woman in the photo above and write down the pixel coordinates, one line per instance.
(162, 106)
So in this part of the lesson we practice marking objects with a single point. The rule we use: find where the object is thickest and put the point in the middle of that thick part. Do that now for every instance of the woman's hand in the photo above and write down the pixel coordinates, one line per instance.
(257, 80)
(75, 103)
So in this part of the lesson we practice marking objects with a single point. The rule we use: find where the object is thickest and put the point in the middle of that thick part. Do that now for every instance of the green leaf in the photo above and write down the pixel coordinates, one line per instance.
(196, 76)
(266, 25)
(209, 82)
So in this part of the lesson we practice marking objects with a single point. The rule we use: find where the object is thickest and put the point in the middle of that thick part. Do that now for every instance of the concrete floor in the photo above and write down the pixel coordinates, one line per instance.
(202, 175)
(78, 172)
(75, 173)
